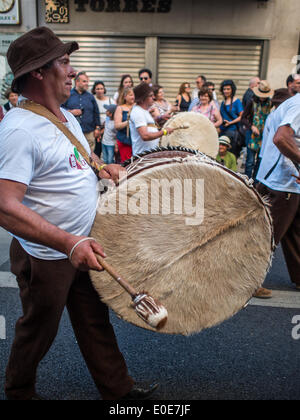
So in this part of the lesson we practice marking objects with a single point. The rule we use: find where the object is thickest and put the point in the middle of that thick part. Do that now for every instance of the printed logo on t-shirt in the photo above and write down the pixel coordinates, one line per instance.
(77, 161)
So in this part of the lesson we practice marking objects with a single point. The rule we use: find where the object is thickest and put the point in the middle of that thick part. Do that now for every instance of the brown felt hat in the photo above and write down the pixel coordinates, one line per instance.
(35, 49)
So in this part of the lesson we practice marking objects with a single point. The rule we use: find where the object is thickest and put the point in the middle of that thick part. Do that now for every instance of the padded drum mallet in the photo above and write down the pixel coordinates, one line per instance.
(151, 311)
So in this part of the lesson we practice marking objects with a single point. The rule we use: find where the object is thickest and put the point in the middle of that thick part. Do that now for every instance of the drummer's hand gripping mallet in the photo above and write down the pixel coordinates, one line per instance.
(151, 311)
(179, 127)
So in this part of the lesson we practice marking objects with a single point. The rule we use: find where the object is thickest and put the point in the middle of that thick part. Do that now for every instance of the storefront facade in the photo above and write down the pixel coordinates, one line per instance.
(176, 39)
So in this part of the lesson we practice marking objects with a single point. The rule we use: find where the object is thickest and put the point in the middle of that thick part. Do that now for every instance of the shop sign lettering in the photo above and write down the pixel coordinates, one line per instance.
(125, 6)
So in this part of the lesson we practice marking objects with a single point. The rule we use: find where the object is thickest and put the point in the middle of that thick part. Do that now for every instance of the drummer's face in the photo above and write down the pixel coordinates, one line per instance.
(150, 100)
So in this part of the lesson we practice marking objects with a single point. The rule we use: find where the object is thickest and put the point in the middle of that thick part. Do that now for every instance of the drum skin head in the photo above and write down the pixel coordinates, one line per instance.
(203, 269)
(201, 134)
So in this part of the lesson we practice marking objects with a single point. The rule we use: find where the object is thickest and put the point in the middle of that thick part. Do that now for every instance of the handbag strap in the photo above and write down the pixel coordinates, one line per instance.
(44, 112)
(228, 112)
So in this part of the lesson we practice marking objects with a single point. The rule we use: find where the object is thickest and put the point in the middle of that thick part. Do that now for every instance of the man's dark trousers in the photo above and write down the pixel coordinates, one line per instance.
(46, 287)
(285, 210)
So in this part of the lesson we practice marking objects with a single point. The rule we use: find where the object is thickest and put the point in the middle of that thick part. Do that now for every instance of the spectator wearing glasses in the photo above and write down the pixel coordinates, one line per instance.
(211, 87)
(126, 82)
(183, 100)
(145, 75)
(200, 81)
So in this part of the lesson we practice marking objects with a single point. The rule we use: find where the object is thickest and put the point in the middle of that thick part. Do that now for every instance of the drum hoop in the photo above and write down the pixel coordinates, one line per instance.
(206, 159)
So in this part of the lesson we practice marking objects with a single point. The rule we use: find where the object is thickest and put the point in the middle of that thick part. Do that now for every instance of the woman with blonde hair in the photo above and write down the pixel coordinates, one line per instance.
(121, 118)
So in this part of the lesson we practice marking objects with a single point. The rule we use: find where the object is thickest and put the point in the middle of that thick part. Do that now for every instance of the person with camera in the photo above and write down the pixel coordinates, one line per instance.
(83, 106)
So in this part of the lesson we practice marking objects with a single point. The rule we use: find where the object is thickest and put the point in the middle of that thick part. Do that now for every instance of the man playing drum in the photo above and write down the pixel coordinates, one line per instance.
(48, 202)
(144, 133)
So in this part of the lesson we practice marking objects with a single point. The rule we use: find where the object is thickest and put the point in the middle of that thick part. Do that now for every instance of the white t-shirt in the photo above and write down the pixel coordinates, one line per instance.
(139, 117)
(195, 93)
(62, 188)
(116, 97)
(276, 170)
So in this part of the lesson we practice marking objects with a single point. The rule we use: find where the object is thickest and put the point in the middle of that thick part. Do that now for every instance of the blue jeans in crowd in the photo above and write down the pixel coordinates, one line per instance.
(108, 154)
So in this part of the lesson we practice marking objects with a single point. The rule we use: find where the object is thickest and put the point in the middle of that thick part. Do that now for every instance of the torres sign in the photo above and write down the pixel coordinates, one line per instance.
(125, 6)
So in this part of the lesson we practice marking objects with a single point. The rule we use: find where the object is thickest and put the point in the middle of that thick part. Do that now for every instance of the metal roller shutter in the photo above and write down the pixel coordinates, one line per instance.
(107, 58)
(182, 60)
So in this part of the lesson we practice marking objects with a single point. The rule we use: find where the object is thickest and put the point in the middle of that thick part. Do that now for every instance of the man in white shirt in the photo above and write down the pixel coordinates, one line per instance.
(144, 133)
(279, 180)
(48, 203)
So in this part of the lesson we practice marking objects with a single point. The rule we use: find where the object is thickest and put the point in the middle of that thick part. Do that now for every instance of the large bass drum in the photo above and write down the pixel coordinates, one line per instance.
(194, 235)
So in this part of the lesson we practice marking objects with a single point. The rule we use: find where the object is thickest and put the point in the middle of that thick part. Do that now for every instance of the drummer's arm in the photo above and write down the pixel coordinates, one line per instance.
(149, 136)
(284, 140)
(21, 221)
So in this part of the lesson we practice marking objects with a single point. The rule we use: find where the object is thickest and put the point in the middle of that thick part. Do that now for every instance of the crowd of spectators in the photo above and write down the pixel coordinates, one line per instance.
(107, 122)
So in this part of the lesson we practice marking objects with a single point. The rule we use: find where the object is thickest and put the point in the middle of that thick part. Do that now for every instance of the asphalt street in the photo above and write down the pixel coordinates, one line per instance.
(253, 356)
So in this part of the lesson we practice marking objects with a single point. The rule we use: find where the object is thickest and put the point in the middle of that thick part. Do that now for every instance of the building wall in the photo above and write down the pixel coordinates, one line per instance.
(190, 17)
(275, 20)
(9, 33)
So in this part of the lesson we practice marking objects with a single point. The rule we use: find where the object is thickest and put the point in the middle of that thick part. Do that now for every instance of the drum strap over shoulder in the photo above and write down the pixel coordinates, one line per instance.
(44, 112)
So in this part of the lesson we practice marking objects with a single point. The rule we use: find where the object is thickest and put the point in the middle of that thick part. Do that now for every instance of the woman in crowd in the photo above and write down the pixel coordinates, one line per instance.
(254, 118)
(184, 99)
(207, 107)
(12, 100)
(126, 81)
(121, 119)
(144, 132)
(231, 111)
(161, 109)
(99, 92)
